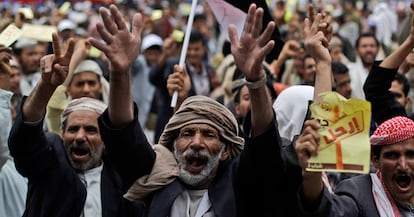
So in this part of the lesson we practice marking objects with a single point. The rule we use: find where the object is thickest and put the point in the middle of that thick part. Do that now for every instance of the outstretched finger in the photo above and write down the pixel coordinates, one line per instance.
(117, 17)
(306, 28)
(105, 35)
(248, 25)
(137, 25)
(315, 26)
(311, 13)
(108, 21)
(98, 44)
(233, 36)
(257, 23)
(56, 44)
(267, 33)
(70, 49)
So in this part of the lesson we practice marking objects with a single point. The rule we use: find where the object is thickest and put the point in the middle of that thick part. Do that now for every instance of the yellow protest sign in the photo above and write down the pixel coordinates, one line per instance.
(344, 135)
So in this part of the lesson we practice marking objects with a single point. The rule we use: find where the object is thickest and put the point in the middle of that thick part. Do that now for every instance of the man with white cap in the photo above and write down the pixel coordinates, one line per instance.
(28, 53)
(72, 175)
(85, 81)
(142, 89)
(66, 29)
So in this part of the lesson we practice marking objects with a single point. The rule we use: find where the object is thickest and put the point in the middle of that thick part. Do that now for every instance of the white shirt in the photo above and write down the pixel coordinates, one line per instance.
(92, 181)
(192, 203)
(28, 82)
(358, 74)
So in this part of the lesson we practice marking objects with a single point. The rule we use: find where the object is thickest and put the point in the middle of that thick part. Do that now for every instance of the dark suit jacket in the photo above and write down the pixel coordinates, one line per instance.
(55, 189)
(376, 89)
(242, 186)
(353, 197)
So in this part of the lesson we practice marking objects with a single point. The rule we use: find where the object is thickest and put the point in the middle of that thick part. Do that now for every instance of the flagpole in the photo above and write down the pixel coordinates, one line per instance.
(185, 45)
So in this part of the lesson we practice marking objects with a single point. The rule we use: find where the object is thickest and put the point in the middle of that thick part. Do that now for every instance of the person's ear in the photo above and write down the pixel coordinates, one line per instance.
(226, 153)
(237, 108)
(375, 161)
(407, 103)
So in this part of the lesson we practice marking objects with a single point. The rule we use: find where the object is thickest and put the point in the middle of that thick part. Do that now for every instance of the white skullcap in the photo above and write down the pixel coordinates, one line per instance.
(88, 66)
(83, 103)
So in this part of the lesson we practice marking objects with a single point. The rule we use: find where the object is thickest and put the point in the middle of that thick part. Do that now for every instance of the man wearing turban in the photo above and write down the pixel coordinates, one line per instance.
(201, 166)
(72, 175)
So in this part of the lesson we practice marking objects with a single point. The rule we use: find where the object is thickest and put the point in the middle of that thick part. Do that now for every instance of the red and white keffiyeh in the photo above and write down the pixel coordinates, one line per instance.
(394, 130)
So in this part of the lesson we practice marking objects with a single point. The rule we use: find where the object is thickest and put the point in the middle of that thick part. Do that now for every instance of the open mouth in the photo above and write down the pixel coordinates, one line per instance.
(403, 182)
(80, 153)
(196, 163)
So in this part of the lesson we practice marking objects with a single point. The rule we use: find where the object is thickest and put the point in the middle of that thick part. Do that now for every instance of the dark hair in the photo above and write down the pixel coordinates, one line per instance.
(366, 35)
(339, 68)
(376, 150)
(197, 36)
(401, 79)
(306, 56)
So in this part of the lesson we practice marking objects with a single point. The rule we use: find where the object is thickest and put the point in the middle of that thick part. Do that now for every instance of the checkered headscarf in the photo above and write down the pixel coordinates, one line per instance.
(392, 131)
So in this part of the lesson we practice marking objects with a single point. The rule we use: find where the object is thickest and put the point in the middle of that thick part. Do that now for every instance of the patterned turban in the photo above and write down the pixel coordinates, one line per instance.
(392, 131)
(83, 103)
(204, 110)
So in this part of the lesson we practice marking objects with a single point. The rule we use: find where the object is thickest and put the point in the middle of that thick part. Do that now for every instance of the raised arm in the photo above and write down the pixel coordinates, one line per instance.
(249, 53)
(54, 69)
(317, 31)
(121, 47)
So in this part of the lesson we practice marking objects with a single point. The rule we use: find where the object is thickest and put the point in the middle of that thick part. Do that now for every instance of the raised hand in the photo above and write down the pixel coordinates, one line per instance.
(120, 45)
(250, 51)
(325, 23)
(316, 42)
(54, 67)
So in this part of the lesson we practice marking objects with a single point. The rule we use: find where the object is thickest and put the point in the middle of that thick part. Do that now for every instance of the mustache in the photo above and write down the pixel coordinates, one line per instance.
(76, 144)
(195, 154)
(403, 173)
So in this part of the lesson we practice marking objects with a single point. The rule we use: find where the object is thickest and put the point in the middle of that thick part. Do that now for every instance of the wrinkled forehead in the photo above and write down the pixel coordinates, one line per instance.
(403, 146)
(81, 116)
(199, 127)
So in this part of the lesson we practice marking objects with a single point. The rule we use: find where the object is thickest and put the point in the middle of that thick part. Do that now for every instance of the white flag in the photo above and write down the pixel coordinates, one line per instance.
(227, 14)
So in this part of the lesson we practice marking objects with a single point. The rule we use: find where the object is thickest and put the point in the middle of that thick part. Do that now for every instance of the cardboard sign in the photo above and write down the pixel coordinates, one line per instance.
(344, 144)
(9, 35)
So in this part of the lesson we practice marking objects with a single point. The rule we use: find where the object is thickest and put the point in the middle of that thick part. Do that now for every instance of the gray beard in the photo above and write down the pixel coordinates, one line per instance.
(93, 162)
(203, 177)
